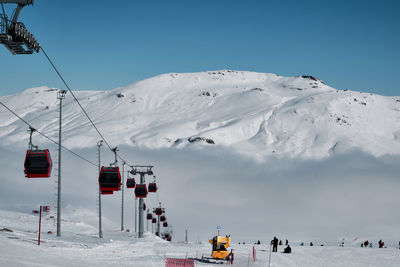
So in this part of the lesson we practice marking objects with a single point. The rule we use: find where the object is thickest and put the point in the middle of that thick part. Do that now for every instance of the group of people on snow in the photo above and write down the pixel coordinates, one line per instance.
(367, 244)
(274, 244)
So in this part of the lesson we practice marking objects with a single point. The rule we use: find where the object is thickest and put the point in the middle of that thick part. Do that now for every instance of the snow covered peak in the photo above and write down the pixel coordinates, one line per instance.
(257, 114)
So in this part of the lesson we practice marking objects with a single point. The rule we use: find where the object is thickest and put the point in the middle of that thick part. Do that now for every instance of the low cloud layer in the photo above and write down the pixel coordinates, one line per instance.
(351, 195)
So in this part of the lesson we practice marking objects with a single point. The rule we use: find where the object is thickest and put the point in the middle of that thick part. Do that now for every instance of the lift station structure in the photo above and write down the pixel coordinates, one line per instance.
(13, 33)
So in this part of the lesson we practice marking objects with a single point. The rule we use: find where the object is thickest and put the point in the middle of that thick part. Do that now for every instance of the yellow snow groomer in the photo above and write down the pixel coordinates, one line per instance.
(219, 247)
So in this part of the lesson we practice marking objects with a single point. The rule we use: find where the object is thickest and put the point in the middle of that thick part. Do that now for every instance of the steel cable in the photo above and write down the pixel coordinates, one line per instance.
(45, 136)
(77, 101)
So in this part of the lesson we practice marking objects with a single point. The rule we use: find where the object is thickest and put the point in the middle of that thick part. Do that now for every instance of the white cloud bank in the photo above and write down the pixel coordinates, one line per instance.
(349, 195)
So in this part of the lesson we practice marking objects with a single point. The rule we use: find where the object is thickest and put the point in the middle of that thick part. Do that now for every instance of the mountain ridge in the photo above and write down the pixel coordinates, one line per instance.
(257, 114)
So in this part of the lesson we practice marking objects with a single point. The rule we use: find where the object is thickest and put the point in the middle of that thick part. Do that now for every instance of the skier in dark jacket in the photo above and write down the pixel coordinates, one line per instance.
(274, 244)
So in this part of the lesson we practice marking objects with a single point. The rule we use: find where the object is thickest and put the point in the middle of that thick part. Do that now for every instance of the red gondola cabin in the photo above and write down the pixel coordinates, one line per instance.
(165, 224)
(109, 179)
(152, 187)
(149, 216)
(141, 191)
(159, 211)
(162, 218)
(130, 183)
(38, 164)
(154, 220)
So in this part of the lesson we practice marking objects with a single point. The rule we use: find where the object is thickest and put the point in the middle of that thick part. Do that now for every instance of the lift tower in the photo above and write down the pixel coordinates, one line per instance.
(142, 171)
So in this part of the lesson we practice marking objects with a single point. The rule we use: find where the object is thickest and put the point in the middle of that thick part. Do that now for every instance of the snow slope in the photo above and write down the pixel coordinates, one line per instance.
(256, 114)
(79, 246)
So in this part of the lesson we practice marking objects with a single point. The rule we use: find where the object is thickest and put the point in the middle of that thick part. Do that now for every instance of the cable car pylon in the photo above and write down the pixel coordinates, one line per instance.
(141, 192)
(60, 95)
(122, 197)
(158, 211)
(99, 144)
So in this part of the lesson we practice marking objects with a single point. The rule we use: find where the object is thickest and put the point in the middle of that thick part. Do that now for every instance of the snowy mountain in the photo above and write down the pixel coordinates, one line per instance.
(256, 114)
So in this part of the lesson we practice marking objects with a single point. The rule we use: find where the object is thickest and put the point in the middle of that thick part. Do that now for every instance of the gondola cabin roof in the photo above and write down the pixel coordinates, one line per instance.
(38, 164)
(109, 179)
(152, 187)
(141, 191)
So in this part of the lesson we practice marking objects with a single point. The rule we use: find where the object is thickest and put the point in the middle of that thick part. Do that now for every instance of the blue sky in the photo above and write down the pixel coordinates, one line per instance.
(102, 45)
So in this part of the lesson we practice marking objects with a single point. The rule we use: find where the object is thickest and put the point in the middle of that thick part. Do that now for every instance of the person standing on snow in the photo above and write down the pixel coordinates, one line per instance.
(274, 243)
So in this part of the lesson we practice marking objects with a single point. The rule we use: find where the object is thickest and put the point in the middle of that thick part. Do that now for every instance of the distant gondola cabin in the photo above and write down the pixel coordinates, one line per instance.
(141, 191)
(152, 187)
(159, 211)
(130, 183)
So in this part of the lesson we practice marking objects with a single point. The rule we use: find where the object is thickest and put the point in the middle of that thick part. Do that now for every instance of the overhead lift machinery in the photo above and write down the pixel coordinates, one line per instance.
(13, 33)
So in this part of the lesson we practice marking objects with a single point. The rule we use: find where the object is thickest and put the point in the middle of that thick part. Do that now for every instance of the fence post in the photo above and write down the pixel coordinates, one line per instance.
(40, 224)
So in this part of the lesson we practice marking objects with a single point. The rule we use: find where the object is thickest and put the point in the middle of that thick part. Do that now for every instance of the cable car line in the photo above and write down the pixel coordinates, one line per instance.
(45, 136)
(73, 95)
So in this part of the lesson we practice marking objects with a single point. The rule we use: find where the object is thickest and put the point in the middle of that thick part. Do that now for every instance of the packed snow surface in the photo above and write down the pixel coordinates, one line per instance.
(257, 114)
(80, 246)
